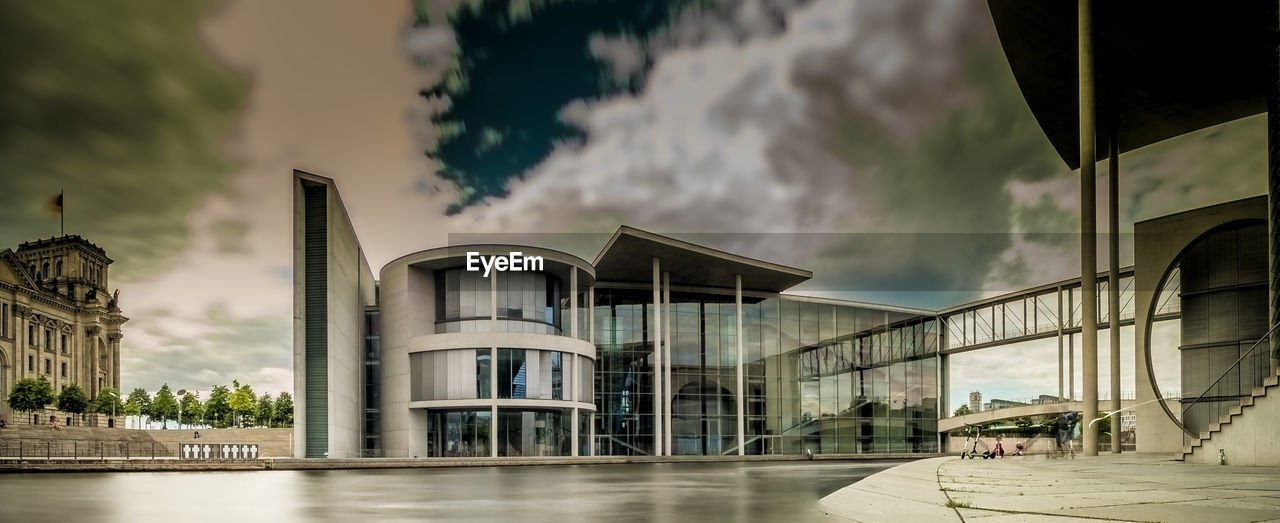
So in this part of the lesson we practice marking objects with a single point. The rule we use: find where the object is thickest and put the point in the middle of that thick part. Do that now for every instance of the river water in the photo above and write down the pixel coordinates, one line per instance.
(660, 492)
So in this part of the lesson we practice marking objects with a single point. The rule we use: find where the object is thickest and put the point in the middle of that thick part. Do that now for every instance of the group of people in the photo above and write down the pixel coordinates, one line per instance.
(1065, 429)
(993, 452)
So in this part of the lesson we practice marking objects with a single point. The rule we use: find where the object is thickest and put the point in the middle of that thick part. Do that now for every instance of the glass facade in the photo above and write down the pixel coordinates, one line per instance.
(1224, 312)
(533, 374)
(525, 302)
(535, 432)
(458, 433)
(463, 301)
(823, 377)
(452, 374)
(372, 382)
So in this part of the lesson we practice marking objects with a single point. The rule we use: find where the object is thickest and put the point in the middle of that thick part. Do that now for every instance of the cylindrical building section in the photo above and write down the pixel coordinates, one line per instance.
(479, 353)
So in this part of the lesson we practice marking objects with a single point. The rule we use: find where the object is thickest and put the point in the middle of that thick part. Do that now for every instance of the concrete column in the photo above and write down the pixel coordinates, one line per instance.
(1113, 277)
(1273, 173)
(657, 357)
(1088, 231)
(737, 290)
(666, 341)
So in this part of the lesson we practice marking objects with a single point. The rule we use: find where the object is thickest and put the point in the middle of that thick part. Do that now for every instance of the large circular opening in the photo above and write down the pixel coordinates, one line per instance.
(1209, 314)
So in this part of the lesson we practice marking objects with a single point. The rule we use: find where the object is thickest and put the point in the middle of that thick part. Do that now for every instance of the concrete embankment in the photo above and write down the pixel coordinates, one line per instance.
(171, 464)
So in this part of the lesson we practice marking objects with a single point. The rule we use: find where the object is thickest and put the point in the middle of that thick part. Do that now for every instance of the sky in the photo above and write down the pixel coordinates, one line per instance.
(882, 145)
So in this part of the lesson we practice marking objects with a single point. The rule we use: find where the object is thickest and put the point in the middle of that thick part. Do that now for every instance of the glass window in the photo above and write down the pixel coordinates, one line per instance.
(557, 376)
(482, 373)
(453, 434)
(64, 369)
(64, 343)
(512, 373)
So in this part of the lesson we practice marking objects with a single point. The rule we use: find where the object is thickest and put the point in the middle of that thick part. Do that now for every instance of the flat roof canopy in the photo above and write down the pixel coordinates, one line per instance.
(629, 254)
(1162, 68)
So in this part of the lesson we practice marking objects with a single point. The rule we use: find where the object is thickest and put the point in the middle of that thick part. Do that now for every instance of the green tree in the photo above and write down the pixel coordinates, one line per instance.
(283, 410)
(108, 402)
(964, 409)
(263, 413)
(31, 394)
(217, 409)
(192, 410)
(72, 400)
(164, 407)
(138, 404)
(243, 402)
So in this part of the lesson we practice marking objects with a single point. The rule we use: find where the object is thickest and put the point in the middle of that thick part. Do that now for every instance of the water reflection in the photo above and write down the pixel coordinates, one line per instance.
(784, 491)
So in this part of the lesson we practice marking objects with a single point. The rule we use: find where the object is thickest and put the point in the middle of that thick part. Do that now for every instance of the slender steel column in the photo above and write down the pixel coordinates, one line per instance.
(666, 341)
(657, 358)
(737, 290)
(493, 368)
(1088, 230)
(1113, 277)
(1058, 321)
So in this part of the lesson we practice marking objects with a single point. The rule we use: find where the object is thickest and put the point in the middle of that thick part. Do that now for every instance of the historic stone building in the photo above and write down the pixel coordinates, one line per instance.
(57, 316)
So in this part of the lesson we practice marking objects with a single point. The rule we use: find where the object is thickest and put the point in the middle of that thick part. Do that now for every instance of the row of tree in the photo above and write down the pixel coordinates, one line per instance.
(234, 406)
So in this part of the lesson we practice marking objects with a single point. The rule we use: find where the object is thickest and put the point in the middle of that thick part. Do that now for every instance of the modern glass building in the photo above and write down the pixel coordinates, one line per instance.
(661, 347)
(658, 347)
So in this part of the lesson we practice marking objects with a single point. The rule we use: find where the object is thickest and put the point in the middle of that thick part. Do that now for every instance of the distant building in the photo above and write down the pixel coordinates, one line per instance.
(1003, 404)
(975, 401)
(57, 318)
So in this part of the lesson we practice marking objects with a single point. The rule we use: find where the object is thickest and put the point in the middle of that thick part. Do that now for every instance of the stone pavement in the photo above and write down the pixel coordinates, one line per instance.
(1129, 487)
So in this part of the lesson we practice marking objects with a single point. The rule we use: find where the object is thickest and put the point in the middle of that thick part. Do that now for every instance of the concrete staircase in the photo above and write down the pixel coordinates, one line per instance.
(40, 440)
(1245, 440)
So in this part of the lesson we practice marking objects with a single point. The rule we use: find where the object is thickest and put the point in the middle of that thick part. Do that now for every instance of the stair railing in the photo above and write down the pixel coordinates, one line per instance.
(1186, 407)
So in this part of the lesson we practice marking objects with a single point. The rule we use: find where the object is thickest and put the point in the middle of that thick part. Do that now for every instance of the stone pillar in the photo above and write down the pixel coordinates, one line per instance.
(1088, 232)
(1113, 278)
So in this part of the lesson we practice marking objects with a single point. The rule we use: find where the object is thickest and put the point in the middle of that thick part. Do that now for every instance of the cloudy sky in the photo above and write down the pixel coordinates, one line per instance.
(884, 145)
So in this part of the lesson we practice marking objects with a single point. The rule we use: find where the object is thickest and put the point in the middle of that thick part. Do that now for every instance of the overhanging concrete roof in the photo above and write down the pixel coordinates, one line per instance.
(1162, 68)
(629, 254)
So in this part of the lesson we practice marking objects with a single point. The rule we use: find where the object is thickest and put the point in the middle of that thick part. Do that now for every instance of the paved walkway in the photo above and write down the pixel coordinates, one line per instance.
(1130, 487)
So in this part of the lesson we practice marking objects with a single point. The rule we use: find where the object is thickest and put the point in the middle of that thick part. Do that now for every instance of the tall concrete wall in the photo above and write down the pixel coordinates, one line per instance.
(350, 287)
(408, 310)
(346, 339)
(1157, 245)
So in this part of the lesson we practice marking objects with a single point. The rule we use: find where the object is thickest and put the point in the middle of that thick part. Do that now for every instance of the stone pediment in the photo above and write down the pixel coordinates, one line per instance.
(13, 272)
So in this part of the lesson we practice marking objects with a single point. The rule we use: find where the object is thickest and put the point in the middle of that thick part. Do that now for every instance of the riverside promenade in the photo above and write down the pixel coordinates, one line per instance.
(1129, 487)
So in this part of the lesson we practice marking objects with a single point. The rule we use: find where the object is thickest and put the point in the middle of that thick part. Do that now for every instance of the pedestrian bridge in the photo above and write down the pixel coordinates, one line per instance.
(1007, 413)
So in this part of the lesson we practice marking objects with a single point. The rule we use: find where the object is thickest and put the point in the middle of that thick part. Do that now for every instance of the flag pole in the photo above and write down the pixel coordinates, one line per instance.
(62, 214)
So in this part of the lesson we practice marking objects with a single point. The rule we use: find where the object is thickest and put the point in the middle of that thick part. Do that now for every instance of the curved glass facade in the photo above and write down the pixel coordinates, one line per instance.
(528, 302)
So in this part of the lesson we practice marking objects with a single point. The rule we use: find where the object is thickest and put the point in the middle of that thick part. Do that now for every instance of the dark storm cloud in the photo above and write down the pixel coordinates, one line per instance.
(118, 105)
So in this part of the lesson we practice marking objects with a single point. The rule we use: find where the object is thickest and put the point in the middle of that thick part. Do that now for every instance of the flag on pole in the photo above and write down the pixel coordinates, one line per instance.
(55, 205)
